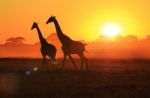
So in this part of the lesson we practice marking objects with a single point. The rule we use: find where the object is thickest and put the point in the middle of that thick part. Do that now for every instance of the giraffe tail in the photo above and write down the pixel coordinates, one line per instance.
(84, 47)
(86, 51)
(85, 44)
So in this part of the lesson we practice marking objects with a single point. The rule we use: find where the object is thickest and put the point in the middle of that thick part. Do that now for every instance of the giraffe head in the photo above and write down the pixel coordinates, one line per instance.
(34, 25)
(51, 19)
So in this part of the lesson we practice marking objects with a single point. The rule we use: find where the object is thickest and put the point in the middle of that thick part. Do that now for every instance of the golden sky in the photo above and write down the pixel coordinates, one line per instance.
(79, 19)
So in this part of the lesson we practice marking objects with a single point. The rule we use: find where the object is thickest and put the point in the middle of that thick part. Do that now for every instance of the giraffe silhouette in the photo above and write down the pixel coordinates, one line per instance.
(69, 46)
(46, 48)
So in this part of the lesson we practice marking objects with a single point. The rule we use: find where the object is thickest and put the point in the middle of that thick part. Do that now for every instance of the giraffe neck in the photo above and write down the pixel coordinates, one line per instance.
(40, 35)
(59, 31)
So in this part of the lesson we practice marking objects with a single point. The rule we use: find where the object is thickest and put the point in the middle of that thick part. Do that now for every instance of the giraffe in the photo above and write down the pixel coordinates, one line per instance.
(46, 48)
(69, 46)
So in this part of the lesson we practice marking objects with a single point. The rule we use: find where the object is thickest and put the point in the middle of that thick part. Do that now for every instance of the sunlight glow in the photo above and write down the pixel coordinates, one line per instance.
(110, 30)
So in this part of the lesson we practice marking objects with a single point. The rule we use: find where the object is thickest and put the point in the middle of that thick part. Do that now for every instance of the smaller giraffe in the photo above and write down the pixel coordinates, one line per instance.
(46, 48)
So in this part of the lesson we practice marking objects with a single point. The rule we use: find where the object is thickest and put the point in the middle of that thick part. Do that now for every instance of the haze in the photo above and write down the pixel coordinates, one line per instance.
(80, 19)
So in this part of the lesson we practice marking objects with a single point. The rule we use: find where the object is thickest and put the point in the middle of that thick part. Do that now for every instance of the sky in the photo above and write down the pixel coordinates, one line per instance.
(79, 19)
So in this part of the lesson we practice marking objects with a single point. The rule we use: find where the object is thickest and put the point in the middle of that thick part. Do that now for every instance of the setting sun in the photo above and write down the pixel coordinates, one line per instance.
(110, 30)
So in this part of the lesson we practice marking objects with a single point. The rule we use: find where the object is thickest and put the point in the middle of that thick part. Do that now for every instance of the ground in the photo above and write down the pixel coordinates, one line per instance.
(107, 78)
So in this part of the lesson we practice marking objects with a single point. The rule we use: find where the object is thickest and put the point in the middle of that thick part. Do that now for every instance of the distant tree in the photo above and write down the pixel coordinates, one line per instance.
(103, 38)
(148, 37)
(15, 41)
(146, 40)
(119, 38)
(131, 38)
(52, 38)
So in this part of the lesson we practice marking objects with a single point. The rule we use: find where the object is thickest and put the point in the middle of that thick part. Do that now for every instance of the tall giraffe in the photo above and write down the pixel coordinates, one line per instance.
(46, 48)
(69, 46)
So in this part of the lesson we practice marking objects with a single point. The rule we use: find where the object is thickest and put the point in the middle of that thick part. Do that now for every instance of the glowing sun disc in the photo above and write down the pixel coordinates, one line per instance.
(110, 30)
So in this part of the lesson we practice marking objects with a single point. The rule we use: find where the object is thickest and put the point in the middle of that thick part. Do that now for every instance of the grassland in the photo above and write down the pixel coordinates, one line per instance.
(107, 78)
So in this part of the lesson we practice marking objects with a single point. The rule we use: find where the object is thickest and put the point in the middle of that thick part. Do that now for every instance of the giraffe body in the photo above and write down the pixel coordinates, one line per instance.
(46, 48)
(69, 46)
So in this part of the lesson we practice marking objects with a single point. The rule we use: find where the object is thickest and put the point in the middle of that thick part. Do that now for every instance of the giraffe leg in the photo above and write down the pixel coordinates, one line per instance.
(73, 62)
(43, 62)
(86, 63)
(46, 64)
(81, 58)
(64, 60)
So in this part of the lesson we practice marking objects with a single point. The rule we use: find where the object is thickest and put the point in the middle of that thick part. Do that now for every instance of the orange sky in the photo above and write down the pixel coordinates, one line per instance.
(80, 19)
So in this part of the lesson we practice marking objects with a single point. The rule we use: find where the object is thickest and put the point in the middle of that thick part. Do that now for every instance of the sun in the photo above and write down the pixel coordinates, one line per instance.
(110, 30)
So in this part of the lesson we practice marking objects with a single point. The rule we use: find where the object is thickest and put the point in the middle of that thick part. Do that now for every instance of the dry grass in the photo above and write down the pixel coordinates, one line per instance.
(107, 78)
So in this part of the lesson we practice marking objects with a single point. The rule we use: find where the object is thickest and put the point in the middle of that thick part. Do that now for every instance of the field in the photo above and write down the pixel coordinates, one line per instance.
(107, 78)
